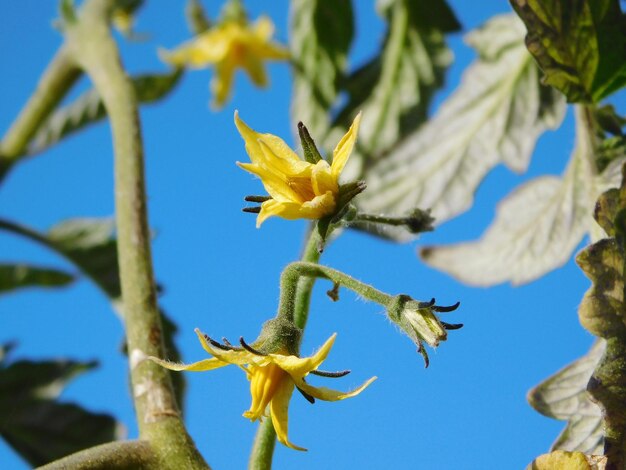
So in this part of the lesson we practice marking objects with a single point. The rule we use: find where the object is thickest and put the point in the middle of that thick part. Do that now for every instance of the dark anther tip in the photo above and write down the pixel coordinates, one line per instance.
(452, 326)
(217, 344)
(251, 210)
(308, 397)
(253, 198)
(300, 124)
(333, 375)
(249, 348)
(451, 308)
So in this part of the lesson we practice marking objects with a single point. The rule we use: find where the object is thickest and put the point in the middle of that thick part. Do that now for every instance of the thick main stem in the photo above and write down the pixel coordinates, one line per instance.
(158, 417)
(123, 455)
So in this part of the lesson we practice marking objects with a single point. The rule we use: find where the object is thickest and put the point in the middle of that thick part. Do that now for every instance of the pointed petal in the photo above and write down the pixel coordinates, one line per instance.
(251, 138)
(278, 157)
(208, 48)
(231, 357)
(286, 210)
(222, 82)
(200, 366)
(263, 27)
(298, 367)
(322, 179)
(279, 411)
(275, 184)
(344, 147)
(329, 394)
(255, 69)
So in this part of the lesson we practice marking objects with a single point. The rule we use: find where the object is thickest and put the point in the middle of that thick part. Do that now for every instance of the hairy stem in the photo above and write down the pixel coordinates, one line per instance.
(265, 438)
(123, 455)
(60, 75)
(158, 417)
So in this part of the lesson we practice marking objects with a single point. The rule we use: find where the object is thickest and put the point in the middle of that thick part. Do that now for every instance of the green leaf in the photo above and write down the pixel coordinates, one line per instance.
(88, 109)
(90, 245)
(16, 276)
(537, 227)
(37, 426)
(564, 396)
(495, 116)
(321, 33)
(580, 45)
(395, 88)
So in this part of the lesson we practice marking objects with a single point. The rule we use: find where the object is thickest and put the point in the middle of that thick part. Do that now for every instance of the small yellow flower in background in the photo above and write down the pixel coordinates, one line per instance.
(123, 21)
(228, 46)
(298, 189)
(272, 377)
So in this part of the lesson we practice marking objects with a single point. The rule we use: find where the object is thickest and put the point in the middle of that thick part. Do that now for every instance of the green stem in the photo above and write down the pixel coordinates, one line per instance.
(159, 421)
(123, 455)
(60, 75)
(265, 438)
(294, 271)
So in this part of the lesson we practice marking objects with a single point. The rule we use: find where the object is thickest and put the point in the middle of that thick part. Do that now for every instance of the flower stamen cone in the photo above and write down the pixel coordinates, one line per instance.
(299, 189)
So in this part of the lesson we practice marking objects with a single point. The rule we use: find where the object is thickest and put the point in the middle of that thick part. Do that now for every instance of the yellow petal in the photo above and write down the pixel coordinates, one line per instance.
(344, 147)
(231, 357)
(279, 411)
(329, 394)
(208, 48)
(222, 82)
(275, 144)
(298, 367)
(275, 184)
(255, 69)
(318, 207)
(560, 460)
(286, 210)
(200, 366)
(278, 157)
(322, 179)
(263, 28)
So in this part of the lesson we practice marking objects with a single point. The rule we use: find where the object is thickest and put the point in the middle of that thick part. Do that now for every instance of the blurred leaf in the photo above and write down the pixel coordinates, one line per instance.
(495, 116)
(39, 428)
(321, 33)
(16, 276)
(395, 88)
(564, 396)
(613, 141)
(580, 45)
(536, 227)
(90, 245)
(88, 109)
(44, 379)
(197, 19)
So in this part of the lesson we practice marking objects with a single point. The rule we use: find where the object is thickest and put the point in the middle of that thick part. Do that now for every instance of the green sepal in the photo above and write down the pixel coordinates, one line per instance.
(279, 335)
(311, 154)
(197, 19)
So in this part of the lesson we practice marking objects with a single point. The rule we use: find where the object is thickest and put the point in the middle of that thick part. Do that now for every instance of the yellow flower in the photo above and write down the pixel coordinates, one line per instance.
(272, 378)
(230, 45)
(298, 189)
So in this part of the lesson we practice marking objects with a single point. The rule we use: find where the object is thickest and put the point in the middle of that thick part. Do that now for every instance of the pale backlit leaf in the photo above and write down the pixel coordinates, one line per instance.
(536, 228)
(564, 397)
(495, 116)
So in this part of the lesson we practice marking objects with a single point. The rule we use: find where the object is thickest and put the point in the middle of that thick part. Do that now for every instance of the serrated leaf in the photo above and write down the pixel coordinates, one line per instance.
(395, 88)
(38, 427)
(18, 276)
(536, 228)
(495, 116)
(580, 45)
(321, 33)
(564, 396)
(88, 109)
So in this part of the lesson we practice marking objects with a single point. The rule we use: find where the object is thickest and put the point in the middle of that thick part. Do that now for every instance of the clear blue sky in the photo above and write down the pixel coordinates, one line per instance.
(220, 273)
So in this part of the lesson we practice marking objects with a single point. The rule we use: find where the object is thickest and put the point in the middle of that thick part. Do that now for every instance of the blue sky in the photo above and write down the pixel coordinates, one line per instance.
(220, 273)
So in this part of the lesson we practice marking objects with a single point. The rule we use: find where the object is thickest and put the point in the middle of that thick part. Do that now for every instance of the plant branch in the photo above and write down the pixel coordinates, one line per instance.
(91, 44)
(56, 81)
(123, 455)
